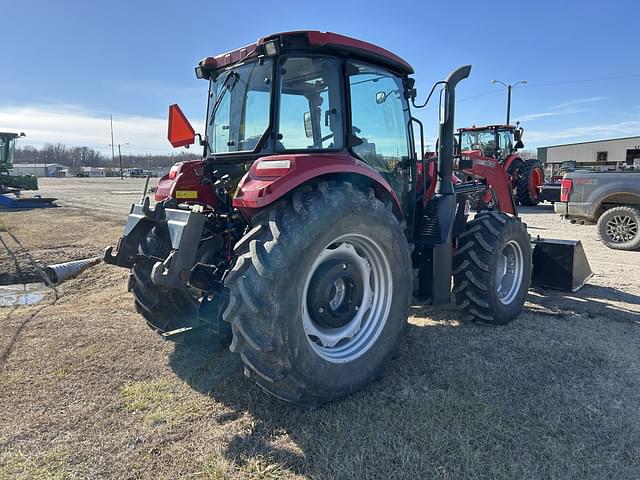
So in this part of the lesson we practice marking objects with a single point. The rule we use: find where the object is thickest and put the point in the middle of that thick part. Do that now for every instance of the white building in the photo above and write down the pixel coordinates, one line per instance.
(93, 172)
(38, 169)
(603, 153)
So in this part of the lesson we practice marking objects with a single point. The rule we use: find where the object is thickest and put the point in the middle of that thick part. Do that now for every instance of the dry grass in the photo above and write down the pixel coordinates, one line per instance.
(88, 391)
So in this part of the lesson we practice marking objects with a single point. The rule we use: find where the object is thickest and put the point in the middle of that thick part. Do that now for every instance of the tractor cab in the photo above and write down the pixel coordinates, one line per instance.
(11, 186)
(7, 150)
(307, 93)
(493, 141)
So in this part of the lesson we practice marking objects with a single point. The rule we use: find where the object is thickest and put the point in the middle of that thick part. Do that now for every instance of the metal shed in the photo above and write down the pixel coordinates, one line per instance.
(603, 153)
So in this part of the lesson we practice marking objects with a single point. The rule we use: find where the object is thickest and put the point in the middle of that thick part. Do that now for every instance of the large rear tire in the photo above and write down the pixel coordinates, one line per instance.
(619, 228)
(530, 179)
(319, 293)
(492, 268)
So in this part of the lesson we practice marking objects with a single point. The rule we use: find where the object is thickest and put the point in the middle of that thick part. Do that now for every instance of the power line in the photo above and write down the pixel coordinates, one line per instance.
(600, 79)
(492, 92)
(552, 84)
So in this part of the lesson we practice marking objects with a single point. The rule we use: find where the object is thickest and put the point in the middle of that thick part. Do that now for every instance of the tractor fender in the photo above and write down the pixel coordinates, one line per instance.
(271, 178)
(512, 163)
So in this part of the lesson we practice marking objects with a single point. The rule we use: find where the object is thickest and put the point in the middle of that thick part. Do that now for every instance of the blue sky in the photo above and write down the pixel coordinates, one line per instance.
(69, 64)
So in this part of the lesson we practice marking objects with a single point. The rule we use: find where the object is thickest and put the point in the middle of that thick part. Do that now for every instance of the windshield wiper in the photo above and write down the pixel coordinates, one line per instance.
(226, 85)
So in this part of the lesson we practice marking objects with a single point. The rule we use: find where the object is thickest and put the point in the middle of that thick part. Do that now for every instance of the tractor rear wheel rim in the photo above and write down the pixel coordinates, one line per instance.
(509, 272)
(535, 182)
(346, 298)
(622, 229)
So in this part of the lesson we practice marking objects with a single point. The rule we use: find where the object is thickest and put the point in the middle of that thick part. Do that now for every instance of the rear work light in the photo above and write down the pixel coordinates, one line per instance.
(565, 189)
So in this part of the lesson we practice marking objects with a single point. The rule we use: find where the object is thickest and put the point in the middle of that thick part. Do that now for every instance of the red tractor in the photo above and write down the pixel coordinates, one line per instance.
(502, 142)
(310, 222)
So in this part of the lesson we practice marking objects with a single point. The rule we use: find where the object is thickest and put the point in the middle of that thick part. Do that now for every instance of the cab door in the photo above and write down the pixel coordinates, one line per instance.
(379, 130)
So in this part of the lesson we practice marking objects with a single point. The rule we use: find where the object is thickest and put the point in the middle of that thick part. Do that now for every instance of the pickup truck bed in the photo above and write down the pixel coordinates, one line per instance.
(612, 199)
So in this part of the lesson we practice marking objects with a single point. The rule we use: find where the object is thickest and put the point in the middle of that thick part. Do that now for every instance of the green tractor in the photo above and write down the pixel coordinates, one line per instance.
(14, 184)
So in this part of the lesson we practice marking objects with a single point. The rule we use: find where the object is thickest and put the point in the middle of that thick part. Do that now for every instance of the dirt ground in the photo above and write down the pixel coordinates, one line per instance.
(88, 391)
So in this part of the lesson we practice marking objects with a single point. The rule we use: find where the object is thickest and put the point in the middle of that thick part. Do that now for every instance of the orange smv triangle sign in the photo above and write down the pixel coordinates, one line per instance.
(180, 133)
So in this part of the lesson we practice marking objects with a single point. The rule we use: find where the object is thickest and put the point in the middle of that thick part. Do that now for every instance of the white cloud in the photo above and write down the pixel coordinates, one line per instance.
(75, 126)
(537, 116)
(567, 108)
(579, 101)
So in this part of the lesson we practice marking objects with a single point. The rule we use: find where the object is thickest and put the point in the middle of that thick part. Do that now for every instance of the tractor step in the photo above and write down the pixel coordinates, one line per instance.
(429, 229)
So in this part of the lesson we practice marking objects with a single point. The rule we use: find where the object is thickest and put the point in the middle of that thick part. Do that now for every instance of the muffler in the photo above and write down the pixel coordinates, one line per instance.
(559, 264)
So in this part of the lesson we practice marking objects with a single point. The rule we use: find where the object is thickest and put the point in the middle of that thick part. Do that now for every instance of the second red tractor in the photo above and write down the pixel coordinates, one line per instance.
(502, 142)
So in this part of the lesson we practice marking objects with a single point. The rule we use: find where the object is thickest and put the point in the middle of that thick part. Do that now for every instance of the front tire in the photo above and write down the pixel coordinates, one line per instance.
(619, 228)
(319, 293)
(492, 268)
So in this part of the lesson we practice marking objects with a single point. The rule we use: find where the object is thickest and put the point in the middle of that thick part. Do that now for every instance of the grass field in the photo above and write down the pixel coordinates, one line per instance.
(88, 391)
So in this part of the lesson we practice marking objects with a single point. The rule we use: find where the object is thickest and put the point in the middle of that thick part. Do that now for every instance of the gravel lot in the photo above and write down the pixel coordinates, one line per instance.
(88, 391)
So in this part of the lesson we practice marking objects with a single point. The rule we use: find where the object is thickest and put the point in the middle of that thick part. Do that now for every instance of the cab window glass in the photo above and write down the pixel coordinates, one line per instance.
(482, 140)
(310, 104)
(379, 115)
(506, 143)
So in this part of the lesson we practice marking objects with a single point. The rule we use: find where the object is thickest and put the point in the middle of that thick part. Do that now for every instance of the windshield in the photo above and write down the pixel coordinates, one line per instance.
(239, 101)
(482, 140)
(7, 146)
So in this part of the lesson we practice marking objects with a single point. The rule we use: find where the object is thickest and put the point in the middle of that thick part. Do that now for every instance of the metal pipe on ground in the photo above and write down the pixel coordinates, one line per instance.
(60, 272)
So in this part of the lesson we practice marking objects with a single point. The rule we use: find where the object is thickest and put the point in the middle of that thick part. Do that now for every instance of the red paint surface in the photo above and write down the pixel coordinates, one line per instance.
(565, 189)
(496, 177)
(316, 39)
(188, 177)
(257, 190)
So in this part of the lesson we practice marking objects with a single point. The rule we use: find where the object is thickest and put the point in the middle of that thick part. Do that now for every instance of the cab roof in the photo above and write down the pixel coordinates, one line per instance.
(311, 41)
(9, 135)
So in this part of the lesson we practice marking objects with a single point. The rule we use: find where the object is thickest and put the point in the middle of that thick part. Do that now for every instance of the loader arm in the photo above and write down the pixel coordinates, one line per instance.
(496, 178)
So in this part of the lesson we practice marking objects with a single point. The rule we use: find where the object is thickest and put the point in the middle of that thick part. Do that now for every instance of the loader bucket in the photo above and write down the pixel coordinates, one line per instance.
(560, 264)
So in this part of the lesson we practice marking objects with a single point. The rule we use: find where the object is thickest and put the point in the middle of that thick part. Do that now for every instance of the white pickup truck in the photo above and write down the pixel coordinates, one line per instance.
(610, 199)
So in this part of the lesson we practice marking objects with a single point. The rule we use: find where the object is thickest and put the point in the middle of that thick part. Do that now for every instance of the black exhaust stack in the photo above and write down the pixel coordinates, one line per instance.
(445, 195)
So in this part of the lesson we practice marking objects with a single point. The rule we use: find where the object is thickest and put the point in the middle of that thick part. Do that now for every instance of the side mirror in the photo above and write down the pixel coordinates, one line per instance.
(181, 133)
(518, 145)
(518, 133)
(381, 97)
(308, 125)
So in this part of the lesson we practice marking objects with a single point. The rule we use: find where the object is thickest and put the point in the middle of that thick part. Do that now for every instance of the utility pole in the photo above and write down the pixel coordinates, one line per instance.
(120, 157)
(509, 88)
(112, 144)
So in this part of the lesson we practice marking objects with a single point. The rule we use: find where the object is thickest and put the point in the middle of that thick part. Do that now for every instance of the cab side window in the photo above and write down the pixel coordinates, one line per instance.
(506, 144)
(310, 116)
(379, 116)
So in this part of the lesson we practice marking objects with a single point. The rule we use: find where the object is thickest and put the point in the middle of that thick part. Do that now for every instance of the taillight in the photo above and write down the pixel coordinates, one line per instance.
(565, 189)
(173, 173)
